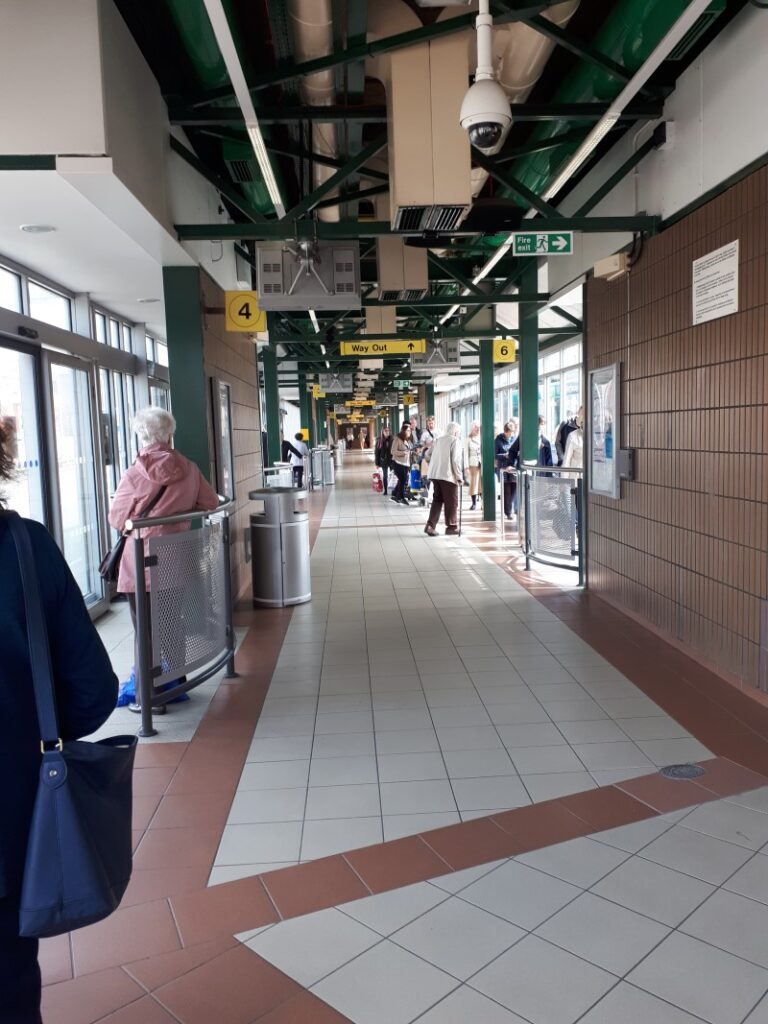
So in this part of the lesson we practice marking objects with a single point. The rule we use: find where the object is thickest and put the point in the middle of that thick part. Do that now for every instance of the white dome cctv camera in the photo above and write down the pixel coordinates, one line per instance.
(485, 114)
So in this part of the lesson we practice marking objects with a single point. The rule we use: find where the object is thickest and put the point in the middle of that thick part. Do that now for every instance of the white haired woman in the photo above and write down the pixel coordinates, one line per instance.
(162, 481)
(446, 472)
(472, 455)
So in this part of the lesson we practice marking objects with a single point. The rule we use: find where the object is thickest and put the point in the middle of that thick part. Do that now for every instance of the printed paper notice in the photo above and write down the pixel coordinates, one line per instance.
(716, 284)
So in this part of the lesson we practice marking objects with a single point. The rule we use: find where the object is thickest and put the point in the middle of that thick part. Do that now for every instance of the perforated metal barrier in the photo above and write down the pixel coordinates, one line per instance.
(184, 631)
(551, 518)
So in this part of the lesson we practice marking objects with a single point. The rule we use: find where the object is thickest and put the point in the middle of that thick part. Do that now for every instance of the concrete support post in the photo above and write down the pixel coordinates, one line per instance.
(529, 368)
(487, 435)
(271, 402)
(186, 363)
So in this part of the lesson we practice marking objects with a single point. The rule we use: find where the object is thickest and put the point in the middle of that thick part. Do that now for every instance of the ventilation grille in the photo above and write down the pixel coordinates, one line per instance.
(240, 170)
(698, 29)
(333, 281)
(411, 218)
(389, 296)
(413, 293)
(445, 218)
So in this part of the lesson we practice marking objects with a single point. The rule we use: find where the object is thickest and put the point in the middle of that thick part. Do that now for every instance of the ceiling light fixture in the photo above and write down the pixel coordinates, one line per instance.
(146, 302)
(223, 34)
(680, 28)
(37, 229)
(313, 318)
(322, 348)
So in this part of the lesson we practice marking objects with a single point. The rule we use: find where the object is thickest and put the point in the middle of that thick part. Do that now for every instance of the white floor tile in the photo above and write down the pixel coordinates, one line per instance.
(385, 985)
(344, 744)
(520, 894)
(666, 896)
(407, 741)
(290, 725)
(731, 822)
(581, 862)
(491, 793)
(246, 844)
(458, 937)
(603, 731)
(626, 1004)
(360, 801)
(550, 786)
(597, 756)
(469, 764)
(543, 983)
(411, 767)
(251, 806)
(387, 912)
(535, 760)
(339, 771)
(473, 737)
(283, 748)
(658, 728)
(398, 825)
(695, 854)
(752, 879)
(344, 722)
(674, 751)
(416, 797)
(466, 1006)
(734, 923)
(308, 948)
(530, 735)
(701, 979)
(323, 838)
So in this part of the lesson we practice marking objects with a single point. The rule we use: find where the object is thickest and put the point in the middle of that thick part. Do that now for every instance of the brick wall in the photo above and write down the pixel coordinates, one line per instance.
(232, 358)
(686, 548)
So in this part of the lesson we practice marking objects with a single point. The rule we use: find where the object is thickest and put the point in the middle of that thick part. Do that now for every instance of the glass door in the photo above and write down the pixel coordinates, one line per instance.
(20, 415)
(74, 480)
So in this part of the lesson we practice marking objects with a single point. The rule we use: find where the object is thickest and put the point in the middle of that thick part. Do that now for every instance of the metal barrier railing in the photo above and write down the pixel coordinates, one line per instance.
(551, 517)
(184, 629)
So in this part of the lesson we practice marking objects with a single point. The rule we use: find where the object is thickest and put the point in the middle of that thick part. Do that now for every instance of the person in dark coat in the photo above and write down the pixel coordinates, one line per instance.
(86, 689)
(383, 455)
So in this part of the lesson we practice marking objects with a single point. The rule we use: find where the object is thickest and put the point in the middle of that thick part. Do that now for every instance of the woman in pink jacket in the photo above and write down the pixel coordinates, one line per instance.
(158, 465)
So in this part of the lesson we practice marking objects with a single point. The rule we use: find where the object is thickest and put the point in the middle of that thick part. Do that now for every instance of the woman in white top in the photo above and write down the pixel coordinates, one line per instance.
(574, 446)
(472, 462)
(297, 457)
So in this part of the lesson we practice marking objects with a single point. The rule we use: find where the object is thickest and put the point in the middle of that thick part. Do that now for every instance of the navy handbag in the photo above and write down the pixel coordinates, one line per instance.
(79, 855)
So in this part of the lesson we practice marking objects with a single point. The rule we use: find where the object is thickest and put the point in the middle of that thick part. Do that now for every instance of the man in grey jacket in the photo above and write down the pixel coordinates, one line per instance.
(446, 472)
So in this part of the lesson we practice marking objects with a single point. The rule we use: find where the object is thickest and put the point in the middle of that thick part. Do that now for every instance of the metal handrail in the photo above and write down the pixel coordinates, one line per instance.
(227, 506)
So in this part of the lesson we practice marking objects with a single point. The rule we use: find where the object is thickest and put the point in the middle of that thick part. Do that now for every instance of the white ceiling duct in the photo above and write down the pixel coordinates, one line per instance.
(312, 24)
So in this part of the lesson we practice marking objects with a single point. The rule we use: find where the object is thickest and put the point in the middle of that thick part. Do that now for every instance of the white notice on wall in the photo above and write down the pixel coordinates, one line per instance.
(716, 284)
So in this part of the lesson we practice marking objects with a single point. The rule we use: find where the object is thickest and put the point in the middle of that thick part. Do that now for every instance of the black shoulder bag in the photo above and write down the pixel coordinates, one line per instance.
(110, 563)
(79, 855)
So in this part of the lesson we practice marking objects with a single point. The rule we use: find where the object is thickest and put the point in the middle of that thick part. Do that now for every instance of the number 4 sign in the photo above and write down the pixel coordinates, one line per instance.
(242, 312)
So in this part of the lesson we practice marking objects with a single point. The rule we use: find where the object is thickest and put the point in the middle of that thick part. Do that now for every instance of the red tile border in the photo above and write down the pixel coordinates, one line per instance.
(397, 863)
(307, 887)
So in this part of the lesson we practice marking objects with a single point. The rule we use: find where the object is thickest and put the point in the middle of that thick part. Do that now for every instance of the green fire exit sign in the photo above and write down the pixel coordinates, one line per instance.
(542, 243)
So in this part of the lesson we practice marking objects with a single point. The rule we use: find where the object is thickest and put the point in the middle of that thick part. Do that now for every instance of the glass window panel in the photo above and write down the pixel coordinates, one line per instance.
(49, 306)
(119, 420)
(571, 393)
(162, 353)
(160, 397)
(19, 413)
(114, 333)
(106, 423)
(100, 327)
(130, 411)
(572, 355)
(76, 472)
(127, 338)
(10, 290)
(150, 345)
(552, 413)
(552, 362)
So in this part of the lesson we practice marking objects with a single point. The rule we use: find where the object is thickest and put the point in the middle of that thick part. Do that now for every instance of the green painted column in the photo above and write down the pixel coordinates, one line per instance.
(186, 362)
(305, 407)
(429, 399)
(487, 435)
(529, 368)
(271, 402)
(322, 437)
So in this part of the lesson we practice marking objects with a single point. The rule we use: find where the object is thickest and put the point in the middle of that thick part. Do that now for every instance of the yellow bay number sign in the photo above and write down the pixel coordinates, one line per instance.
(504, 350)
(242, 312)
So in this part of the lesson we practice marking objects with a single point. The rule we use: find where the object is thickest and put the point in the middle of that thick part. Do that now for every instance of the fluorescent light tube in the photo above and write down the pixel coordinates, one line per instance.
(313, 318)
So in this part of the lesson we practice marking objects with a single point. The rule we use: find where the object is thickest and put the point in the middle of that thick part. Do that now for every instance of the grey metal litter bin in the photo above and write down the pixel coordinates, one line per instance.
(329, 474)
(338, 454)
(280, 547)
(316, 460)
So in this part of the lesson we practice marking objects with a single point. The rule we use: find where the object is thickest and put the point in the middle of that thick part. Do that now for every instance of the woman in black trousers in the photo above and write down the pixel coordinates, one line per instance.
(401, 462)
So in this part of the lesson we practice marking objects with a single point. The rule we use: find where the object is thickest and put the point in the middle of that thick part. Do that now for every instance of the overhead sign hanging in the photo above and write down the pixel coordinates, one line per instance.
(446, 355)
(336, 382)
(716, 284)
(390, 347)
(317, 391)
(542, 243)
(242, 312)
(504, 350)
(361, 404)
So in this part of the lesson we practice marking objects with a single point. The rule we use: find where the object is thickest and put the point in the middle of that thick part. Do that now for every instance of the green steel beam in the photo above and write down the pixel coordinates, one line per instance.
(510, 153)
(288, 149)
(211, 117)
(186, 362)
(309, 202)
(222, 185)
(305, 409)
(586, 51)
(343, 230)
(352, 197)
(445, 267)
(512, 10)
(516, 187)
(657, 139)
(566, 316)
(529, 371)
(446, 301)
(487, 457)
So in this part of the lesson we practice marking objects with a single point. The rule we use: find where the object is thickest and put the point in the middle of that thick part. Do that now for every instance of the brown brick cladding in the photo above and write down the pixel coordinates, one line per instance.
(232, 358)
(686, 548)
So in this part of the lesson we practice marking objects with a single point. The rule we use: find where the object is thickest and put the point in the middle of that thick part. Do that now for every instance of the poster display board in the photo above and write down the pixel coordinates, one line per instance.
(716, 284)
(604, 427)
(224, 454)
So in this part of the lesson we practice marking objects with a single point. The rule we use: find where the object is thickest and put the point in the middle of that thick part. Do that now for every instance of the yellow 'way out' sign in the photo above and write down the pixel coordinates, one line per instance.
(504, 350)
(392, 347)
(242, 312)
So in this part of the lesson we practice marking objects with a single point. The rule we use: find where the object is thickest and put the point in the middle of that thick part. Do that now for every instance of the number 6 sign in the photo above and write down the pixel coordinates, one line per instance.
(504, 350)
(242, 312)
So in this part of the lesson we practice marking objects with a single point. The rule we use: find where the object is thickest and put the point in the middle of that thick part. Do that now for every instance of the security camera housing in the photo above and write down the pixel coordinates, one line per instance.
(485, 115)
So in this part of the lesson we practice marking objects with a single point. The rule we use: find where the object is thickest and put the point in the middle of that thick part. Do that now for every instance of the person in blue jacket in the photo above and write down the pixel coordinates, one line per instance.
(86, 689)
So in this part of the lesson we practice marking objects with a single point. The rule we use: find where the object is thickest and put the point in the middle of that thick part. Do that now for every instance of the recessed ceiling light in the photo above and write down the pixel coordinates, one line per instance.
(145, 302)
(37, 229)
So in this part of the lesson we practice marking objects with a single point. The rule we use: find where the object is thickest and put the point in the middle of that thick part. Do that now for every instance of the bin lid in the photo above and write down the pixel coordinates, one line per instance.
(264, 492)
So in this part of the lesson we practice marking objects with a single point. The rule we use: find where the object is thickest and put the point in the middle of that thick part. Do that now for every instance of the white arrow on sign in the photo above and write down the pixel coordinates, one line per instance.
(559, 242)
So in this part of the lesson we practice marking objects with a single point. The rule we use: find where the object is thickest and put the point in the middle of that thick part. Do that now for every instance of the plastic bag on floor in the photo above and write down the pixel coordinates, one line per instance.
(127, 693)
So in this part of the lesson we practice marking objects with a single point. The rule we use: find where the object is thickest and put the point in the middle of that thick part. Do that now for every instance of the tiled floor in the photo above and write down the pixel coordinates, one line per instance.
(662, 921)
(640, 900)
(424, 686)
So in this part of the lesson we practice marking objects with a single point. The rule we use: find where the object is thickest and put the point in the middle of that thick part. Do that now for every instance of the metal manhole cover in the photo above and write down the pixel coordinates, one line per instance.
(682, 771)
